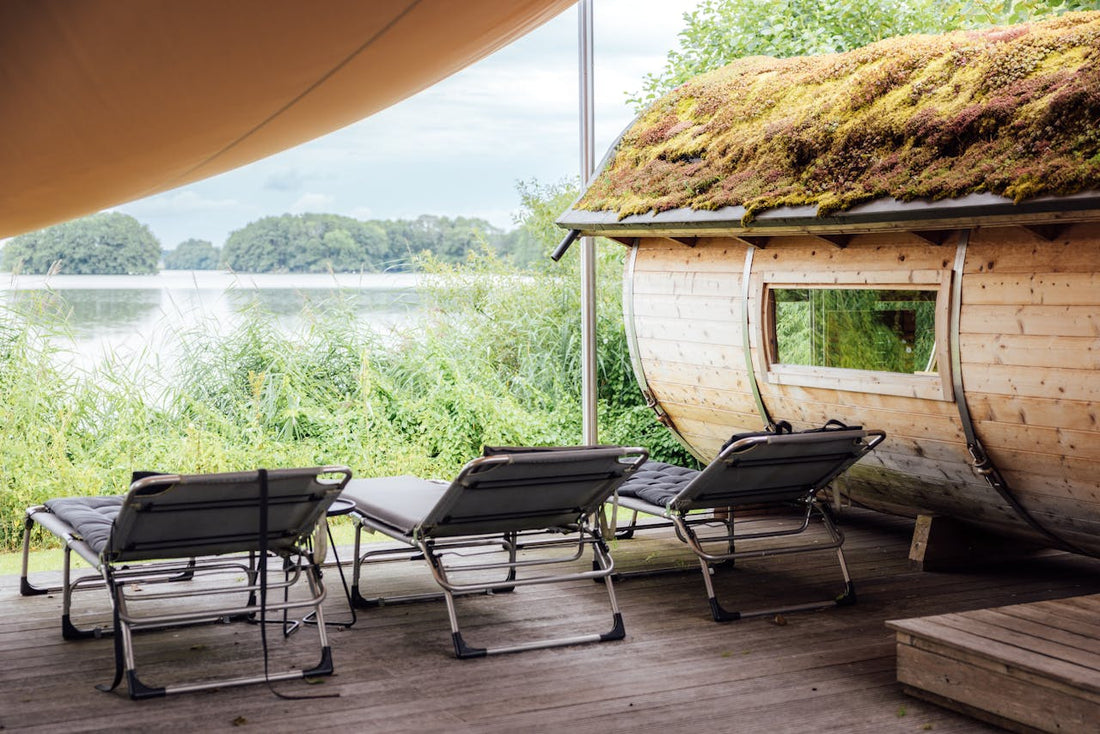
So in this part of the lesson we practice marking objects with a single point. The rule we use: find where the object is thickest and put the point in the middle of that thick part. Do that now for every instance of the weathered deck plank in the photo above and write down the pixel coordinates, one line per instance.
(1030, 666)
(826, 671)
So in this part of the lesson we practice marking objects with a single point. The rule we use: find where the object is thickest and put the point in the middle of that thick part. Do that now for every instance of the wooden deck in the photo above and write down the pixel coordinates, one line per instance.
(1026, 666)
(818, 671)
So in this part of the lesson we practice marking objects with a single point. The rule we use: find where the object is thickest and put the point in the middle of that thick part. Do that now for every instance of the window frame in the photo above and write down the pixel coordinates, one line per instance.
(929, 386)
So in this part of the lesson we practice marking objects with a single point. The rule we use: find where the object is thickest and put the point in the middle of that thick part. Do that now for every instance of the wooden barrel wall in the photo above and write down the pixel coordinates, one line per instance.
(1029, 340)
(1030, 346)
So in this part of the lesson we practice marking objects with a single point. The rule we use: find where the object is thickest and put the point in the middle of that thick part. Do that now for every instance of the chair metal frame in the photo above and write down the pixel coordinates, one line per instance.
(823, 454)
(458, 548)
(148, 545)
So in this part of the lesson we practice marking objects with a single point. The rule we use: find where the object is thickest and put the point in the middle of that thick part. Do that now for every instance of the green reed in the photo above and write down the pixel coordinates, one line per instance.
(493, 358)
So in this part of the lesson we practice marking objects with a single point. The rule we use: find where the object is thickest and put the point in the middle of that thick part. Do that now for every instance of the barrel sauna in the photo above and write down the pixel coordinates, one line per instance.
(945, 291)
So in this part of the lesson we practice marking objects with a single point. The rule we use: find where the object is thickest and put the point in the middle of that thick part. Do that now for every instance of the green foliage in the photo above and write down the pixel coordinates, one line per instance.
(494, 360)
(318, 243)
(530, 244)
(718, 32)
(523, 329)
(193, 254)
(108, 243)
(443, 238)
(305, 243)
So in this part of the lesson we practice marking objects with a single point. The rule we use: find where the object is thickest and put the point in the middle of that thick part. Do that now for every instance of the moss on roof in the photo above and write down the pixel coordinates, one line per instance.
(1013, 111)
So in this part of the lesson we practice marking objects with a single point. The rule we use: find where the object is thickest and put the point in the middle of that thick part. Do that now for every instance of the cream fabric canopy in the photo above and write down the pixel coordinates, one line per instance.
(106, 101)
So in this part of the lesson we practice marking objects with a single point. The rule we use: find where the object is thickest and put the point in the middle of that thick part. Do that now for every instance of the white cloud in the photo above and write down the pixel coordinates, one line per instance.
(285, 179)
(312, 202)
(185, 201)
(455, 149)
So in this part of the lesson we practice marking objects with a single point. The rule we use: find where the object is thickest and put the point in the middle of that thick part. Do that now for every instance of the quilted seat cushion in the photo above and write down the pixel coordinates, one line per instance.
(89, 517)
(657, 482)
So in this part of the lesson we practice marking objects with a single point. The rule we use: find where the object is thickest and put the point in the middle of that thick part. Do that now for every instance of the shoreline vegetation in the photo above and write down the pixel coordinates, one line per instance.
(112, 243)
(492, 359)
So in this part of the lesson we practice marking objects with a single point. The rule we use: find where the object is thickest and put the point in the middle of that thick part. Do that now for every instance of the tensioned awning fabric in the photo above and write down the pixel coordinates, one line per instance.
(106, 101)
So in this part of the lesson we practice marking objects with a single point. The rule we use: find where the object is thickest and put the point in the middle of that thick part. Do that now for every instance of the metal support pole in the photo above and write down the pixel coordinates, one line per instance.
(588, 244)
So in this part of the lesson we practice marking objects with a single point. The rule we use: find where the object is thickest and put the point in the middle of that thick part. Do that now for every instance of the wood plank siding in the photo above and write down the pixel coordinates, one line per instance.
(1029, 362)
(1045, 300)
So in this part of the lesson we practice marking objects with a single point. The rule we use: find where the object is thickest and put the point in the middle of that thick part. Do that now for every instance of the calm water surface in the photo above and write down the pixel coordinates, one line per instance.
(130, 316)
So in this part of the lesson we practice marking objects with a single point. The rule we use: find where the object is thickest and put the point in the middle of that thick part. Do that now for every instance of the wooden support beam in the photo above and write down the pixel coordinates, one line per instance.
(757, 242)
(1045, 232)
(942, 543)
(686, 241)
(626, 241)
(933, 237)
(836, 240)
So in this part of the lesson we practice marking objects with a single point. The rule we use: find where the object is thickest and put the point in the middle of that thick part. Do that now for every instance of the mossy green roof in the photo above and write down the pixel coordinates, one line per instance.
(1011, 111)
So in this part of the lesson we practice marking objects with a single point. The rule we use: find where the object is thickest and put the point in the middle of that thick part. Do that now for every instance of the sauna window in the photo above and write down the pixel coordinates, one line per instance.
(883, 338)
(860, 329)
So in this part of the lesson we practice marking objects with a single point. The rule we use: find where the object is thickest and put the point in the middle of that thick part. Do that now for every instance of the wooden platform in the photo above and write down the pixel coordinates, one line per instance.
(1025, 667)
(825, 671)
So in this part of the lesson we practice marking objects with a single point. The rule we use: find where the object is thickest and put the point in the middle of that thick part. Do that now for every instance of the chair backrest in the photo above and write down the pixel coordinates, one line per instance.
(518, 489)
(774, 468)
(180, 516)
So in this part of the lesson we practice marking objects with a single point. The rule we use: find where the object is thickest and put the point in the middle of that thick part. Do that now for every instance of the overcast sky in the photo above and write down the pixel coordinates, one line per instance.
(456, 149)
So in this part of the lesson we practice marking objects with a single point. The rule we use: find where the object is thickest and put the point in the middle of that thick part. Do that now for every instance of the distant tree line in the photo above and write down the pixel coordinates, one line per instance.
(313, 243)
(108, 243)
(193, 255)
(114, 243)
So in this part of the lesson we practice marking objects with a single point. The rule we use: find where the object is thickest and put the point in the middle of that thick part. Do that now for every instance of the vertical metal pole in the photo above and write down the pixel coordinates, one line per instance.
(588, 244)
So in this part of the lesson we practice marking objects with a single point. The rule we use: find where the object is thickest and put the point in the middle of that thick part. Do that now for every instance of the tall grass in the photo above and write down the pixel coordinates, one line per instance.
(493, 359)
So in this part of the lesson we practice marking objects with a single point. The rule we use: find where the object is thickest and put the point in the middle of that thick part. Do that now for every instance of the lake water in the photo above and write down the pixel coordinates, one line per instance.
(129, 315)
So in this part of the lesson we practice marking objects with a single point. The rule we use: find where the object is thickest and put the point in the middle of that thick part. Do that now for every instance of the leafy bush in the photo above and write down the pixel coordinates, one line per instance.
(108, 243)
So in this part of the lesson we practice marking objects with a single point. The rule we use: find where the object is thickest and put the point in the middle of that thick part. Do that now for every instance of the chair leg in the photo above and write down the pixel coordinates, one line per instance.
(848, 596)
(716, 609)
(603, 558)
(720, 614)
(316, 588)
(125, 663)
(605, 570)
(511, 544)
(26, 588)
(69, 631)
(462, 650)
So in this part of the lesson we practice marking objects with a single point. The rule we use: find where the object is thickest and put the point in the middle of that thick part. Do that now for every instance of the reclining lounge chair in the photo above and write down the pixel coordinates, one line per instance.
(169, 531)
(754, 472)
(496, 501)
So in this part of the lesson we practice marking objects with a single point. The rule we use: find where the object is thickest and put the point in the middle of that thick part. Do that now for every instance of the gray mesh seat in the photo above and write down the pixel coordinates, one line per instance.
(759, 471)
(496, 506)
(181, 530)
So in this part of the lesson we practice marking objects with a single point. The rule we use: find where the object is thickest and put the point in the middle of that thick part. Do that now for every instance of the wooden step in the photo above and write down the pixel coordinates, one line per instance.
(1025, 667)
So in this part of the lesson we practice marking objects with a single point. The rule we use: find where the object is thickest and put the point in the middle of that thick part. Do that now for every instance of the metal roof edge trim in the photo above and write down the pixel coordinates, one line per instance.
(804, 218)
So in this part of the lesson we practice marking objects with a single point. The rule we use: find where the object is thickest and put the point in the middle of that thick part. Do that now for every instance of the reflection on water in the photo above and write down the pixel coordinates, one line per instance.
(290, 302)
(129, 315)
(91, 312)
